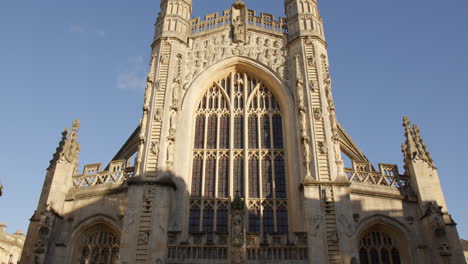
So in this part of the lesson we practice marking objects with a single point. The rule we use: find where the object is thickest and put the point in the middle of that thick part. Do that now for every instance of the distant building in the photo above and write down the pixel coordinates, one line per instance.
(11, 246)
(465, 248)
(239, 159)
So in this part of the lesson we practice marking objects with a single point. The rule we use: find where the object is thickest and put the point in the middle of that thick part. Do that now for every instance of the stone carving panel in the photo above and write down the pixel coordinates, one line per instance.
(208, 51)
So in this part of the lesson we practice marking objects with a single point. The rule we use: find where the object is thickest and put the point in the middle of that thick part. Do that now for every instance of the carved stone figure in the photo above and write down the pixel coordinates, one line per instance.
(435, 215)
(237, 230)
(316, 225)
(238, 30)
(318, 114)
(327, 195)
(323, 147)
(176, 93)
(173, 123)
(170, 154)
(158, 115)
(165, 59)
(155, 148)
(311, 61)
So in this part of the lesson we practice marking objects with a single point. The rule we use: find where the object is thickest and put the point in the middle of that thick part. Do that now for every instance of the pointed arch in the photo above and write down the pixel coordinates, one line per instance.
(283, 101)
(381, 238)
(96, 239)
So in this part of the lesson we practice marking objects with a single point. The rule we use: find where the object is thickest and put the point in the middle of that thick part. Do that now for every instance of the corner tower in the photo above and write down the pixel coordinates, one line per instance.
(173, 19)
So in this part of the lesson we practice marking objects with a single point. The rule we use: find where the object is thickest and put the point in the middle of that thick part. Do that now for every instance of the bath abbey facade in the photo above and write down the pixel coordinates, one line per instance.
(238, 158)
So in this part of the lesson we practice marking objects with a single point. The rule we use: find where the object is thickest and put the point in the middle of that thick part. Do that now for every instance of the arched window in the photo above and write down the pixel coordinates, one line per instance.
(378, 248)
(238, 148)
(97, 244)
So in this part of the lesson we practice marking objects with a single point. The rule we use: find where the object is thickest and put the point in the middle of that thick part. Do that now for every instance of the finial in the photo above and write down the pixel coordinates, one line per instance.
(238, 4)
(414, 148)
(76, 125)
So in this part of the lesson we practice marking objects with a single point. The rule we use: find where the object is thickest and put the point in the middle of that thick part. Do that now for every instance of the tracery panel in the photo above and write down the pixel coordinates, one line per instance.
(378, 248)
(239, 148)
(97, 244)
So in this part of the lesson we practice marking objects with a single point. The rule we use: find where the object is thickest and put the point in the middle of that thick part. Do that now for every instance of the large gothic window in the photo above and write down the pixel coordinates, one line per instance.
(97, 244)
(238, 148)
(378, 248)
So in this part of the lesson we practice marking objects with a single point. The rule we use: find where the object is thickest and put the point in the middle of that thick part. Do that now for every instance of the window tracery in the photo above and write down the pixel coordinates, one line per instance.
(100, 247)
(378, 248)
(238, 147)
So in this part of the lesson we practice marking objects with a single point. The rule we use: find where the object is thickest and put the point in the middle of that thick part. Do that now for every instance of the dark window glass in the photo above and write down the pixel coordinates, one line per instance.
(374, 256)
(254, 220)
(200, 132)
(253, 178)
(277, 132)
(396, 256)
(253, 132)
(222, 220)
(363, 256)
(239, 176)
(385, 256)
(282, 218)
(267, 178)
(224, 132)
(210, 178)
(223, 178)
(239, 132)
(208, 220)
(268, 222)
(266, 135)
(212, 124)
(194, 220)
(197, 171)
(280, 178)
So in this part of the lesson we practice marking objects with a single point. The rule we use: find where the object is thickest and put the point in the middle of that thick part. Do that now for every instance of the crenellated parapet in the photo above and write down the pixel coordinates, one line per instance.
(264, 22)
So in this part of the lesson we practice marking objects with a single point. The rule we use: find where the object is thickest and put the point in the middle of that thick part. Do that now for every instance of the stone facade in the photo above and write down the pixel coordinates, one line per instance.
(10, 246)
(238, 158)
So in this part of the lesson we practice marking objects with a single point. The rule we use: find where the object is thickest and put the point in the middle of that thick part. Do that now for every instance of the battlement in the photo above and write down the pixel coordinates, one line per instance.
(118, 172)
(265, 22)
(388, 175)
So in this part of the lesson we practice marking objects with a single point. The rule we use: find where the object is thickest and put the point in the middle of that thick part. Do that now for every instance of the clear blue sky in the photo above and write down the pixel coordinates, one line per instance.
(87, 59)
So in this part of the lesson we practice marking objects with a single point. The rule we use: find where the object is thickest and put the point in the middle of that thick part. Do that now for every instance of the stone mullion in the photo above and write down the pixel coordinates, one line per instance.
(205, 154)
(215, 207)
(231, 137)
(246, 137)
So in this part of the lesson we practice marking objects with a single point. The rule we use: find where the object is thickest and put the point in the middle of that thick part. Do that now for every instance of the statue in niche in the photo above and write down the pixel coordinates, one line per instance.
(238, 30)
(173, 123)
(176, 93)
(237, 230)
(170, 154)
(323, 147)
(327, 194)
(317, 113)
(305, 141)
(155, 148)
(158, 115)
(300, 93)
